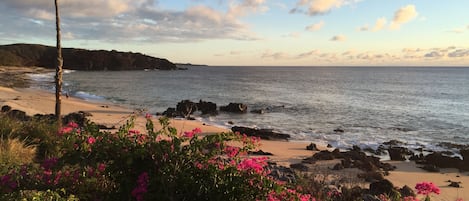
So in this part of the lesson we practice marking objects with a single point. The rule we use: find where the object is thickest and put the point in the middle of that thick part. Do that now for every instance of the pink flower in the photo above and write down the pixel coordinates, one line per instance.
(254, 164)
(410, 198)
(65, 130)
(231, 151)
(101, 167)
(142, 185)
(197, 130)
(305, 197)
(133, 132)
(91, 140)
(148, 116)
(426, 188)
(72, 125)
(47, 164)
(189, 134)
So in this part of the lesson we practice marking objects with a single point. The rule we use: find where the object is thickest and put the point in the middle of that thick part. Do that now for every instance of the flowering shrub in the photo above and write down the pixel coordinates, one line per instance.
(427, 188)
(156, 165)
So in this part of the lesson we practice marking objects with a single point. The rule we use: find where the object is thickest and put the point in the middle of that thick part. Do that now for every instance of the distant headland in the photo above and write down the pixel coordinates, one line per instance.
(80, 59)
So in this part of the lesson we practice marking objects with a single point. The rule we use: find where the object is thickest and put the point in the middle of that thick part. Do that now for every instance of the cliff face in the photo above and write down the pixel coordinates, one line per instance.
(79, 59)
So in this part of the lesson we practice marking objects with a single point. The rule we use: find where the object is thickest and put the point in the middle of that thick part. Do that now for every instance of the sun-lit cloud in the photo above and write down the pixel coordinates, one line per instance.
(403, 15)
(317, 7)
(380, 24)
(275, 55)
(338, 38)
(247, 6)
(132, 20)
(315, 27)
(459, 53)
(307, 54)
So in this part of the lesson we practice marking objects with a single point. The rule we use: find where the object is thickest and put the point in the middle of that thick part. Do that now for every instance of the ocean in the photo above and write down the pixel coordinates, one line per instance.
(421, 106)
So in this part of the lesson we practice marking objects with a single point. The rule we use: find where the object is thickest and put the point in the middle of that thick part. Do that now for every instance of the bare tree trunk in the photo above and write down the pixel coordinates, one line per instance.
(58, 70)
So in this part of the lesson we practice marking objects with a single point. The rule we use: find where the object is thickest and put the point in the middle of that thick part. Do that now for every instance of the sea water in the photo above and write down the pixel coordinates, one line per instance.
(421, 106)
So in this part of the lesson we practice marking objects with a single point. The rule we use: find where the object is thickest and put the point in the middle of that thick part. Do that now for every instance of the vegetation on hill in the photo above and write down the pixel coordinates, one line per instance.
(79, 59)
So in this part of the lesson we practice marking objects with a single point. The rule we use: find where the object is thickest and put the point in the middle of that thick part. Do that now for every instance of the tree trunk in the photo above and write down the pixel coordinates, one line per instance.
(58, 70)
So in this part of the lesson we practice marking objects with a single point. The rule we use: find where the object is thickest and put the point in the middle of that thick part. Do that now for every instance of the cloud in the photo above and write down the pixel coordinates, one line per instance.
(403, 15)
(247, 6)
(380, 24)
(434, 54)
(127, 20)
(317, 7)
(307, 54)
(457, 30)
(338, 38)
(294, 35)
(363, 28)
(275, 55)
(315, 27)
(459, 53)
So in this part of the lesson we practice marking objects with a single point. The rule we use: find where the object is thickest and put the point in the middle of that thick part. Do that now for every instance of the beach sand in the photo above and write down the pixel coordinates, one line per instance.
(34, 101)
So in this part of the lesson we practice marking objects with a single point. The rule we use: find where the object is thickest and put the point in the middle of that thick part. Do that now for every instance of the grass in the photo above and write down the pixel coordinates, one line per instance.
(14, 151)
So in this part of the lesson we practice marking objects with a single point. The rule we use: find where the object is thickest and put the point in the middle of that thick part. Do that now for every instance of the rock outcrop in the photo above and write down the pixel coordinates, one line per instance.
(79, 59)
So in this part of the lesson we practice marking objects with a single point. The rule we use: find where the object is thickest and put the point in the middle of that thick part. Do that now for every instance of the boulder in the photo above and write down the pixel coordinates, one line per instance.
(442, 161)
(170, 113)
(258, 111)
(6, 108)
(79, 118)
(339, 130)
(300, 167)
(398, 153)
(312, 147)
(186, 108)
(382, 187)
(465, 155)
(207, 108)
(19, 115)
(267, 134)
(260, 152)
(407, 191)
(235, 108)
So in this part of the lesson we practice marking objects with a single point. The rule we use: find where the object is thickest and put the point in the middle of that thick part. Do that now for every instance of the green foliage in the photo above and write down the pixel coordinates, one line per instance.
(33, 195)
(163, 165)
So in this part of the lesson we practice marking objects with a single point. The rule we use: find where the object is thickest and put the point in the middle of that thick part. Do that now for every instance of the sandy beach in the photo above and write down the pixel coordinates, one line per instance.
(34, 101)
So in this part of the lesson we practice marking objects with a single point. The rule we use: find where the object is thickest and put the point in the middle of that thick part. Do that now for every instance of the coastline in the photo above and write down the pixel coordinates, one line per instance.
(34, 101)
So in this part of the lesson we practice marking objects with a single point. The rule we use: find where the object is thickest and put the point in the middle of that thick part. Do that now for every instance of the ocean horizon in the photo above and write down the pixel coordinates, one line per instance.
(420, 106)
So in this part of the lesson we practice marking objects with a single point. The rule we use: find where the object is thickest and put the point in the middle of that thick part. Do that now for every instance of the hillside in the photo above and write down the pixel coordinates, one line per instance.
(79, 59)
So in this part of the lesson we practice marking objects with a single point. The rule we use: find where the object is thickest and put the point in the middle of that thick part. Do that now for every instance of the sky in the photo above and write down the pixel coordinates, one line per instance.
(253, 32)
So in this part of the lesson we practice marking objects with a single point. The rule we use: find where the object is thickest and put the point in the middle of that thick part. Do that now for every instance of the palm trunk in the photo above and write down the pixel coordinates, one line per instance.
(58, 70)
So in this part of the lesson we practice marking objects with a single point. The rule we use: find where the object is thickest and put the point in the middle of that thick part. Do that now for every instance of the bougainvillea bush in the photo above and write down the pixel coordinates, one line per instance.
(152, 165)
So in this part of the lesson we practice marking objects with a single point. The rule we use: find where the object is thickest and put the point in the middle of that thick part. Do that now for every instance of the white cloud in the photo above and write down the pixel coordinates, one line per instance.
(459, 53)
(128, 20)
(307, 54)
(247, 6)
(339, 38)
(294, 35)
(315, 27)
(380, 24)
(434, 54)
(403, 15)
(317, 7)
(275, 55)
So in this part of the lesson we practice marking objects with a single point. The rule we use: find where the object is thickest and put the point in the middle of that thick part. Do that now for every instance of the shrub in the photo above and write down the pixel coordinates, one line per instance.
(163, 165)
(14, 152)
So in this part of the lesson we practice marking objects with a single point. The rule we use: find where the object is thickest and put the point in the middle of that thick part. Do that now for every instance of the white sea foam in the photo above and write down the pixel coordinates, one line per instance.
(88, 96)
